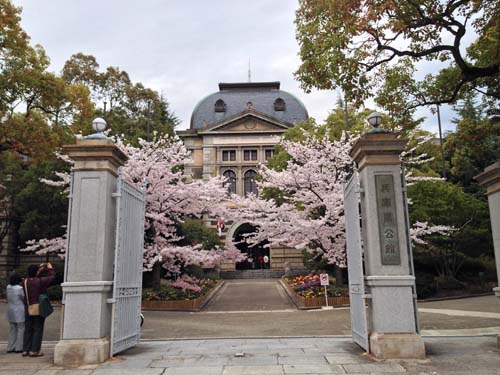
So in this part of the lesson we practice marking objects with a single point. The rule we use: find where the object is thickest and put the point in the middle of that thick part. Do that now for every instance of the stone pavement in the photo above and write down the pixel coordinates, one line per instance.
(271, 356)
(258, 308)
(251, 295)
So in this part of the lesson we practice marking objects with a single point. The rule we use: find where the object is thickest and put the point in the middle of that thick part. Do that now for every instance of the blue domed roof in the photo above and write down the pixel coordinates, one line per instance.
(234, 98)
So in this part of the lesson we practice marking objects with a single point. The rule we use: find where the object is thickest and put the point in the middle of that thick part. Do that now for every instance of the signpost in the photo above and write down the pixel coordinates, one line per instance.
(325, 281)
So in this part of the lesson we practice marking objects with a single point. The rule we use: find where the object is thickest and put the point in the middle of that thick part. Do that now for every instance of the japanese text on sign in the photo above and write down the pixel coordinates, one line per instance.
(387, 219)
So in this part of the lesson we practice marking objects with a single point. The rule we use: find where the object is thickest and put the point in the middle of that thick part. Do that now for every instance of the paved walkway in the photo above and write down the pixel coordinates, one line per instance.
(251, 295)
(450, 356)
(259, 309)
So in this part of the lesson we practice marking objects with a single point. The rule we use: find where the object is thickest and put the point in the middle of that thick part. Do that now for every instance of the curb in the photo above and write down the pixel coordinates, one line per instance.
(208, 298)
(462, 296)
(212, 294)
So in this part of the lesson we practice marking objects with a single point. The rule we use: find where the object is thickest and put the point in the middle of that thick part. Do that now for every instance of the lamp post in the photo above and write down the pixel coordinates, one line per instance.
(148, 119)
(441, 143)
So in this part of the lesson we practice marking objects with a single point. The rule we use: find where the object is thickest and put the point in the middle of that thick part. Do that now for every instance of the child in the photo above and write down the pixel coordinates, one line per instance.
(15, 314)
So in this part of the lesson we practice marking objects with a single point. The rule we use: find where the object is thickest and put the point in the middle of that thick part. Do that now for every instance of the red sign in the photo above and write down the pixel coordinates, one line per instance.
(324, 279)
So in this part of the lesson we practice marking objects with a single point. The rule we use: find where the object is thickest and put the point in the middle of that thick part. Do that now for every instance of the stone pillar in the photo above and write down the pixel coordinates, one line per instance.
(88, 278)
(490, 179)
(392, 320)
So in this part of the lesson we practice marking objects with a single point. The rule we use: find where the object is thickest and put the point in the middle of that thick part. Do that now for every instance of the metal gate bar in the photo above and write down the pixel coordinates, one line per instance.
(127, 285)
(359, 324)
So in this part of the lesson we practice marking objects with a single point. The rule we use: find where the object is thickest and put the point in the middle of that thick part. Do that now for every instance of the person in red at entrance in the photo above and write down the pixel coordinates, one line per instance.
(33, 286)
(261, 261)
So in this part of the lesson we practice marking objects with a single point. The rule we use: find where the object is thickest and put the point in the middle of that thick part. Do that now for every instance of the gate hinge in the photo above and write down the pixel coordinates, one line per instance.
(115, 195)
(111, 300)
(367, 296)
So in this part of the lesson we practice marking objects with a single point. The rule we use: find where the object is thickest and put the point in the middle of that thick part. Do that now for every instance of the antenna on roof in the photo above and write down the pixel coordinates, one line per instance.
(249, 72)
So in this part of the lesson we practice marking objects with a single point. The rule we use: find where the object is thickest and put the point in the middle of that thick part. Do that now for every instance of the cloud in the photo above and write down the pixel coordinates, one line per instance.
(180, 48)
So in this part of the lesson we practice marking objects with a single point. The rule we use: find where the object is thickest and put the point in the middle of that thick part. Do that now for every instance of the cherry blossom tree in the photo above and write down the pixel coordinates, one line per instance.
(157, 166)
(311, 187)
(308, 211)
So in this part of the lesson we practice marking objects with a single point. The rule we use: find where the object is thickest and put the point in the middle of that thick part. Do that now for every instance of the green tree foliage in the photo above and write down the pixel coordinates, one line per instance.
(37, 205)
(195, 232)
(127, 105)
(40, 111)
(447, 204)
(473, 146)
(359, 46)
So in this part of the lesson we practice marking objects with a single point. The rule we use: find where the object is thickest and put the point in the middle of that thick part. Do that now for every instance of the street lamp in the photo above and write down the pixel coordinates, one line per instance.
(374, 119)
(99, 125)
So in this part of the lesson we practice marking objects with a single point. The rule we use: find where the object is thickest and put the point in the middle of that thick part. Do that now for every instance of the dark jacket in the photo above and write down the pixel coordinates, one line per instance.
(37, 285)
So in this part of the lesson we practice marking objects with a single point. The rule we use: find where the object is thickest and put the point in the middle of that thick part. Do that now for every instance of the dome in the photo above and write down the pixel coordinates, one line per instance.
(234, 98)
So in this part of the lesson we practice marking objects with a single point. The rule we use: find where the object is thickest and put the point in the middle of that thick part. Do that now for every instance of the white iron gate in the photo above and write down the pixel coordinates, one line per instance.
(127, 285)
(409, 244)
(359, 323)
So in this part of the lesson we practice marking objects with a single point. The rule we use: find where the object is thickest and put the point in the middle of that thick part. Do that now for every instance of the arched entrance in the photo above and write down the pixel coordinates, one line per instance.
(256, 253)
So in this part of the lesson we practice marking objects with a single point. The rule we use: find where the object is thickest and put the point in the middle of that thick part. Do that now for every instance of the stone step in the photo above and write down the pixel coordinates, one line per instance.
(253, 274)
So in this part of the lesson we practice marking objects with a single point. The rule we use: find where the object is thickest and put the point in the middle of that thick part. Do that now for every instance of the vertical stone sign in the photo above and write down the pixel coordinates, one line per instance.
(387, 220)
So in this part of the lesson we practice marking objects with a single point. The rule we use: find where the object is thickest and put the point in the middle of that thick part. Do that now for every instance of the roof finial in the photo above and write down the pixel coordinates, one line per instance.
(249, 72)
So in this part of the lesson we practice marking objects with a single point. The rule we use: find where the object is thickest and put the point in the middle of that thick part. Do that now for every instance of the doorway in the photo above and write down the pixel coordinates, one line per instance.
(257, 254)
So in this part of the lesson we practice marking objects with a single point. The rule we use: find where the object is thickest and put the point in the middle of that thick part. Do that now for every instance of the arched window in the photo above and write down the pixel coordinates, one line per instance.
(250, 186)
(220, 106)
(279, 105)
(230, 177)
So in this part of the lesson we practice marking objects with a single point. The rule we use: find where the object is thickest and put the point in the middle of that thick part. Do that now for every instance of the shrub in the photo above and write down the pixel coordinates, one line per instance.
(195, 270)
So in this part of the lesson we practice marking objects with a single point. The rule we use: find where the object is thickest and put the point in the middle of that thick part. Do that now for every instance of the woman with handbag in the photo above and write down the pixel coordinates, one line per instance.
(36, 308)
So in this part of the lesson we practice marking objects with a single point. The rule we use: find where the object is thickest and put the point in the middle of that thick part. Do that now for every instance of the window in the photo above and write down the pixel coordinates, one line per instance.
(279, 105)
(230, 177)
(249, 155)
(220, 106)
(250, 186)
(268, 154)
(229, 155)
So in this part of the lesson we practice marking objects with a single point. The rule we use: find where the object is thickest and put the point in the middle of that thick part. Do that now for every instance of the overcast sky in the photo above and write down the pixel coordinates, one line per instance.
(183, 48)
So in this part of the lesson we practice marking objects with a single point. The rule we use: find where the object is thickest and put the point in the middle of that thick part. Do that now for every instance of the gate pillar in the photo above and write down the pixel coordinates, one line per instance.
(490, 179)
(392, 314)
(88, 276)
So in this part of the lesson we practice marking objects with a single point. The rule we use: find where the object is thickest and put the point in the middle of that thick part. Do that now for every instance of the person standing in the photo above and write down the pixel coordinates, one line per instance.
(35, 285)
(261, 262)
(266, 262)
(15, 314)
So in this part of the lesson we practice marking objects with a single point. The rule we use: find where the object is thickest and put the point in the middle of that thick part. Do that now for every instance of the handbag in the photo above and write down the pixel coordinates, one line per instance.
(34, 309)
(45, 308)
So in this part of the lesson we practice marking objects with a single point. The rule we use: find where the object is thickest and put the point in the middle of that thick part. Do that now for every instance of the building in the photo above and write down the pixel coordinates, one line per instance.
(231, 132)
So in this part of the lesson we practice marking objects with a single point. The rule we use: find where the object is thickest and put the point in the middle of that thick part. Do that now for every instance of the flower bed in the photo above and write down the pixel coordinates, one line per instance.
(187, 293)
(307, 292)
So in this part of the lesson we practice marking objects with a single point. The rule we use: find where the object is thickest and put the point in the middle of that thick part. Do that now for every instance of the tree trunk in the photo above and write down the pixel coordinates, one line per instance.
(156, 276)
(339, 276)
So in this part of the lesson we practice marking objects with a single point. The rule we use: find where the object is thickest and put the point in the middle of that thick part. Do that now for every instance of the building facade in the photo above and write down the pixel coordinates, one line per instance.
(231, 132)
